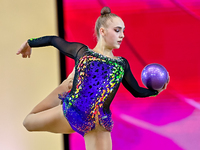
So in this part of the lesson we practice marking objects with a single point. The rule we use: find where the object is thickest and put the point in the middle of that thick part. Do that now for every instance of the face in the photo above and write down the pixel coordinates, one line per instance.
(113, 34)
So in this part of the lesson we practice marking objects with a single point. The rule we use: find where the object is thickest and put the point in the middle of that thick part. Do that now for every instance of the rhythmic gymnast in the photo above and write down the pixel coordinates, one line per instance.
(96, 77)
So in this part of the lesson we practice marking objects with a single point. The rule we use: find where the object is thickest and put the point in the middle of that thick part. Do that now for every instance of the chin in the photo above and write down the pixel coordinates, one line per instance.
(117, 47)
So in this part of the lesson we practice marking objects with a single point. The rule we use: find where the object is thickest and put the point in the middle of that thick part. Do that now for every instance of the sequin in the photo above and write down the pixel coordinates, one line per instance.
(96, 79)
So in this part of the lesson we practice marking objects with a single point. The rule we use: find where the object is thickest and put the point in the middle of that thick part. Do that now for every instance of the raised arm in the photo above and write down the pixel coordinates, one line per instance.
(70, 49)
(132, 86)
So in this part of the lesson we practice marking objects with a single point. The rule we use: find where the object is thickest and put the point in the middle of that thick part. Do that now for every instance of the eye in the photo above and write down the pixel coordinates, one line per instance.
(116, 30)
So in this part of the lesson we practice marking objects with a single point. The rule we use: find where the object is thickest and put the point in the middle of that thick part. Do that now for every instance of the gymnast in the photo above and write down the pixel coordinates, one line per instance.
(89, 90)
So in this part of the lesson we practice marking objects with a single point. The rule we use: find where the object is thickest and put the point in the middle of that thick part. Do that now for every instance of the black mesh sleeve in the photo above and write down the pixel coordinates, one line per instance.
(132, 86)
(69, 49)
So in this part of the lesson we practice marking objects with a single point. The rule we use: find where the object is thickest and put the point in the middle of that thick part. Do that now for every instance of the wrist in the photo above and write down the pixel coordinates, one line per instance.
(27, 44)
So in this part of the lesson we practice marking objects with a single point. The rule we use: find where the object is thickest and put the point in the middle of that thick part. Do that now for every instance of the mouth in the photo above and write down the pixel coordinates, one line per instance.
(119, 42)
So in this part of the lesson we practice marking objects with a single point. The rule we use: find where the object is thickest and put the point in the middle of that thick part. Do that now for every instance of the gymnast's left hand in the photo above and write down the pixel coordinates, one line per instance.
(25, 50)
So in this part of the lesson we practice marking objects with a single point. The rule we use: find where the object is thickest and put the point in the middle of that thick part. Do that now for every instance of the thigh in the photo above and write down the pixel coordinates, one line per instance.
(52, 120)
(98, 139)
(52, 99)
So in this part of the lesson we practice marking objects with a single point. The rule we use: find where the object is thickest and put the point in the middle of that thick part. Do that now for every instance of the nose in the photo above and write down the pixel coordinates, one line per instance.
(122, 35)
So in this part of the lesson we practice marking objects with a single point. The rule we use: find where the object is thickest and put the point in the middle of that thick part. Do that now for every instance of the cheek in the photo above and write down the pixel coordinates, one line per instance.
(112, 37)
(112, 41)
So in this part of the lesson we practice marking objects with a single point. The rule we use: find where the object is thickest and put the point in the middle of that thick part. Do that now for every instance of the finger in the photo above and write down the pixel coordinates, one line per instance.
(165, 86)
(28, 54)
(160, 90)
(168, 77)
(18, 52)
(23, 55)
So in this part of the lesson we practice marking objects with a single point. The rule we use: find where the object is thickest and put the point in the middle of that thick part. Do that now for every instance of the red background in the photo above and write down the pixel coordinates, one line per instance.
(160, 31)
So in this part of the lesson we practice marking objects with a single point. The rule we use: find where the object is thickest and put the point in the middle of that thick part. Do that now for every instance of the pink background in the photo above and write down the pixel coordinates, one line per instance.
(160, 31)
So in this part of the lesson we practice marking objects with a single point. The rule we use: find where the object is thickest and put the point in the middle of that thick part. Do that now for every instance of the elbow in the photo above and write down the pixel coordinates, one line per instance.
(136, 96)
(139, 95)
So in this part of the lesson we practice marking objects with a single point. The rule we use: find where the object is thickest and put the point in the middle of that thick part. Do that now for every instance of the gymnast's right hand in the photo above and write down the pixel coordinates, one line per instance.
(25, 50)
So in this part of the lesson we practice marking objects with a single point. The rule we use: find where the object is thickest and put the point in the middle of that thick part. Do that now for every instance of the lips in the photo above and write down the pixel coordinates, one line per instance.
(119, 42)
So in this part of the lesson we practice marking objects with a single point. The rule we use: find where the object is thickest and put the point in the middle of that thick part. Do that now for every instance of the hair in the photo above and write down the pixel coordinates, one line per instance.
(103, 18)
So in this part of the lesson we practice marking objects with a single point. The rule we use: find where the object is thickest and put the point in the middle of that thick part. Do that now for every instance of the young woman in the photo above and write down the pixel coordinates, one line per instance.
(98, 73)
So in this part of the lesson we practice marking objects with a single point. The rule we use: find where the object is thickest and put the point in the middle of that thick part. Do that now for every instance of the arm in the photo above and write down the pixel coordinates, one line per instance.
(70, 49)
(132, 86)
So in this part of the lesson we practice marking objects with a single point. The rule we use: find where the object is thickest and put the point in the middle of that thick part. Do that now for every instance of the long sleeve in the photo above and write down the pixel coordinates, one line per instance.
(132, 86)
(69, 49)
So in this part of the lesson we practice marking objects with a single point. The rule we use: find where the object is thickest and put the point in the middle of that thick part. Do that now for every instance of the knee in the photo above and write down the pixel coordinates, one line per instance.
(67, 84)
(70, 84)
(27, 124)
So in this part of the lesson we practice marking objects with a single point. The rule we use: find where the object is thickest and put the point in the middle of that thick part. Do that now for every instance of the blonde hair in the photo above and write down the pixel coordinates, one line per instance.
(102, 20)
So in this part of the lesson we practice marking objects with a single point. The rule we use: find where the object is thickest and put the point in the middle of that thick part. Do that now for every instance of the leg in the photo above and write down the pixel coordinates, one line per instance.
(51, 120)
(98, 139)
(50, 101)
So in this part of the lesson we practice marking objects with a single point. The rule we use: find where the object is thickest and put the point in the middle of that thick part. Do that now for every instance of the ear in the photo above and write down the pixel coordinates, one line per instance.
(102, 31)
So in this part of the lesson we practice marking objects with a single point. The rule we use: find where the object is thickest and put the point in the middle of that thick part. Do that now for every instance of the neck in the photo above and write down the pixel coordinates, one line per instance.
(102, 49)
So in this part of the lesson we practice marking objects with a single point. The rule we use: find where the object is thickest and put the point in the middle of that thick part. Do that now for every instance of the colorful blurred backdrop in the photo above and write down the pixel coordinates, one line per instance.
(159, 31)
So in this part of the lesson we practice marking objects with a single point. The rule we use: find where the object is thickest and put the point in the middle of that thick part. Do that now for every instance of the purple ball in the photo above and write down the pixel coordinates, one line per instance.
(154, 76)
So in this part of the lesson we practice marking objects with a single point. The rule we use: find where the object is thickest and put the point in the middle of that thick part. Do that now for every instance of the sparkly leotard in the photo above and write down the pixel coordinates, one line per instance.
(95, 84)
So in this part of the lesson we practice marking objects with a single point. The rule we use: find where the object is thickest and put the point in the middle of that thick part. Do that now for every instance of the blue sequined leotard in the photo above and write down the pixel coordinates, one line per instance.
(95, 84)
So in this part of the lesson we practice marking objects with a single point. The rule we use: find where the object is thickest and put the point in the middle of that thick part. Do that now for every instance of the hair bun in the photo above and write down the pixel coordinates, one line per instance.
(105, 10)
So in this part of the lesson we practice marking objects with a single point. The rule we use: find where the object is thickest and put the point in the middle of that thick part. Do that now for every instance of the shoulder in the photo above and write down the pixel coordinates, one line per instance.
(81, 49)
(125, 60)
(126, 64)
(82, 46)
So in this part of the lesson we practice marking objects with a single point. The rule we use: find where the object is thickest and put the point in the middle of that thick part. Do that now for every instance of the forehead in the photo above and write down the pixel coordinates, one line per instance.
(115, 22)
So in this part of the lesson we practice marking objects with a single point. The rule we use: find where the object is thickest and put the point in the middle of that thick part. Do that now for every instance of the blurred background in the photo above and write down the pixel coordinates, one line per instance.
(165, 32)
(25, 82)
(157, 31)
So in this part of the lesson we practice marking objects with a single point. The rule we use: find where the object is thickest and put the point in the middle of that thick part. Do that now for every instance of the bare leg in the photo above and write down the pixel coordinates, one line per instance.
(52, 99)
(49, 102)
(51, 120)
(48, 116)
(98, 139)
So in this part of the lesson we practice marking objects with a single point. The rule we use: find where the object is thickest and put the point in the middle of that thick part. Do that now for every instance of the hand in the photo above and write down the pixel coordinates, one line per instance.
(165, 85)
(25, 50)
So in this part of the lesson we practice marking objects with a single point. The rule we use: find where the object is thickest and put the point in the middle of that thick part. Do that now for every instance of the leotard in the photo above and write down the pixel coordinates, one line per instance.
(96, 81)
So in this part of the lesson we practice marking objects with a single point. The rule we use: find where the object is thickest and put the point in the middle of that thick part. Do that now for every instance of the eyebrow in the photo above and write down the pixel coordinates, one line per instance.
(119, 27)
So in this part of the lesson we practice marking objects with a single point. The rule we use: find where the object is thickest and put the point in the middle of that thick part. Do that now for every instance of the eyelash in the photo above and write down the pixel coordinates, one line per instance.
(116, 30)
